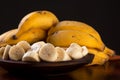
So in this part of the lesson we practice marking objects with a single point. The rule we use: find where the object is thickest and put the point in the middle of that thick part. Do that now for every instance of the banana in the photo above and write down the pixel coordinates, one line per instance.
(30, 36)
(4, 37)
(32, 28)
(1, 52)
(100, 56)
(62, 55)
(16, 52)
(48, 53)
(37, 45)
(31, 56)
(64, 38)
(24, 44)
(76, 51)
(109, 51)
(36, 19)
(6, 52)
(76, 26)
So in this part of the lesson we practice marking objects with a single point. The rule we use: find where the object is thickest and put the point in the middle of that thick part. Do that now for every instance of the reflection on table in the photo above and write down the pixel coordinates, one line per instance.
(109, 71)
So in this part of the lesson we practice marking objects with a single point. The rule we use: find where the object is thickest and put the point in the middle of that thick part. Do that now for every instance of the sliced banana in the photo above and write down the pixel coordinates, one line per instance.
(36, 46)
(1, 52)
(24, 44)
(74, 51)
(41, 50)
(84, 50)
(48, 53)
(62, 55)
(16, 52)
(31, 56)
(6, 52)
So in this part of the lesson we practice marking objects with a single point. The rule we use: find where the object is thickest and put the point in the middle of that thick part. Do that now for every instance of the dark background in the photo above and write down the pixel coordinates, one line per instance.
(103, 15)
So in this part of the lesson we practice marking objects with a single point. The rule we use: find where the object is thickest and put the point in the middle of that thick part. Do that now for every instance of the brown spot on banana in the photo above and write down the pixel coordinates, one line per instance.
(14, 37)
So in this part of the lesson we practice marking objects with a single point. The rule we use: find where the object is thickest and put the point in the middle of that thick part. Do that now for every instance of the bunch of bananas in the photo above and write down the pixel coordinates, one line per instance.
(45, 26)
(67, 32)
(33, 27)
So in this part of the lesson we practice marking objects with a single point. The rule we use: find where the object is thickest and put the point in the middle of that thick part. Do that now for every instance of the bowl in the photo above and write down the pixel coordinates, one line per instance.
(45, 68)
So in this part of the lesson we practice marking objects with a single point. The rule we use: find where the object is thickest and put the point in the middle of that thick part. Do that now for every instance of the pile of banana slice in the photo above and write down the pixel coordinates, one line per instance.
(38, 51)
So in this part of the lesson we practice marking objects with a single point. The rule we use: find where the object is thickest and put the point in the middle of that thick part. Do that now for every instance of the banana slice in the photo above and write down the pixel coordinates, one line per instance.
(24, 44)
(62, 55)
(84, 50)
(74, 51)
(48, 53)
(6, 52)
(31, 56)
(1, 52)
(36, 46)
(16, 52)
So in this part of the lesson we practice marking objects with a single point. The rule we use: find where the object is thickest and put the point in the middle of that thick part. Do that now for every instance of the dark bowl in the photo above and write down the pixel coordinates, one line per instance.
(45, 68)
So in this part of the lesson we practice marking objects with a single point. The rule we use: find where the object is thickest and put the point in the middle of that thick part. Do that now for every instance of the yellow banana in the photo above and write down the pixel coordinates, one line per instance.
(5, 36)
(109, 51)
(36, 19)
(100, 56)
(64, 38)
(74, 25)
(77, 26)
(30, 36)
(33, 27)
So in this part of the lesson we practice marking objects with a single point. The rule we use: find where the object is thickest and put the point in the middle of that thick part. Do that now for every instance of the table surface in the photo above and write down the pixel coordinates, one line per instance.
(108, 71)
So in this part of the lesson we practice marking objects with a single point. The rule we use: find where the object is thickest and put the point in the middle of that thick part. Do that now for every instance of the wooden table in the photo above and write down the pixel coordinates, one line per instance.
(109, 71)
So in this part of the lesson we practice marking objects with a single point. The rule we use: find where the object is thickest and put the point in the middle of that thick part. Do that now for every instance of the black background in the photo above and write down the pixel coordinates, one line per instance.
(103, 15)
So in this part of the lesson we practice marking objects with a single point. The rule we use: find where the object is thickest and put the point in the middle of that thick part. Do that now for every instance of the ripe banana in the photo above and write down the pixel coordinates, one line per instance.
(33, 27)
(100, 56)
(5, 36)
(76, 26)
(37, 19)
(109, 51)
(64, 38)
(30, 36)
